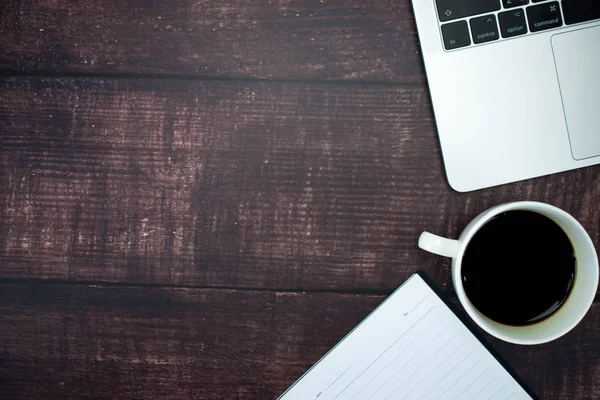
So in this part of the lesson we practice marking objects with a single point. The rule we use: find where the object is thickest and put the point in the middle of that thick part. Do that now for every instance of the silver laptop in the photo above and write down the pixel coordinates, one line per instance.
(515, 86)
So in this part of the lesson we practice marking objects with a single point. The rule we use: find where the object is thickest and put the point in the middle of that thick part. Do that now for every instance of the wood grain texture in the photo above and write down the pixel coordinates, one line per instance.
(70, 342)
(262, 185)
(373, 40)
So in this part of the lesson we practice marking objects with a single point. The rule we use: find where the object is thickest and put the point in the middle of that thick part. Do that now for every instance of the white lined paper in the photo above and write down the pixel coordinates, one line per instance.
(411, 347)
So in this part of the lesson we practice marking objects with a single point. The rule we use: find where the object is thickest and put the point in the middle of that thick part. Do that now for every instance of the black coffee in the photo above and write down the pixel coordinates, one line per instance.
(518, 268)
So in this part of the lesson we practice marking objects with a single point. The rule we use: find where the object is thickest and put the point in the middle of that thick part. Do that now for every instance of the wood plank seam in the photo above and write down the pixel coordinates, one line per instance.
(364, 292)
(42, 281)
(7, 73)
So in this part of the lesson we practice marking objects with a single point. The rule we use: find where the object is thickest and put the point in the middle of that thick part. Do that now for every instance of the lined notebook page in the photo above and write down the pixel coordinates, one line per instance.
(411, 347)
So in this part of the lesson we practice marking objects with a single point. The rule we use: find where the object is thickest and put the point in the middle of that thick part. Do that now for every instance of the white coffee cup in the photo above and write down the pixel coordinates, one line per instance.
(572, 310)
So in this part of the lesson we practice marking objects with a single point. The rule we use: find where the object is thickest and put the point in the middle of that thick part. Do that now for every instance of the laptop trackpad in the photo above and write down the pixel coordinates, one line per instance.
(577, 58)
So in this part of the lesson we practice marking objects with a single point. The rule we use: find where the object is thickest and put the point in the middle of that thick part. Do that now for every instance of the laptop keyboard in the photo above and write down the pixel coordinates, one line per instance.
(472, 22)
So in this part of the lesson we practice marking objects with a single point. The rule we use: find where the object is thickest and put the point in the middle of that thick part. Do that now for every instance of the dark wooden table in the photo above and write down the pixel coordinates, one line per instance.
(200, 197)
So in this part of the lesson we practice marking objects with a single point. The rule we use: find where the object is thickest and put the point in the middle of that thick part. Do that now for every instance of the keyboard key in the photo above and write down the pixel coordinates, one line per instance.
(514, 3)
(456, 35)
(512, 23)
(576, 11)
(484, 29)
(454, 9)
(545, 16)
(537, 1)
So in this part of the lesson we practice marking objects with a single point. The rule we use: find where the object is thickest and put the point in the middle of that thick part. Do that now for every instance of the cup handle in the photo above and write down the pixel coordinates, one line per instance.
(438, 245)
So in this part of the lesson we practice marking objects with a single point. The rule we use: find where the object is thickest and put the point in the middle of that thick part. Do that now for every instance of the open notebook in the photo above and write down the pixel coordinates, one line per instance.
(411, 347)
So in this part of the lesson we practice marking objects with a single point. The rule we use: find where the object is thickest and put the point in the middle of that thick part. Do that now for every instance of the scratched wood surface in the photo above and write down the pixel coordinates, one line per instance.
(367, 40)
(199, 198)
(261, 185)
(74, 341)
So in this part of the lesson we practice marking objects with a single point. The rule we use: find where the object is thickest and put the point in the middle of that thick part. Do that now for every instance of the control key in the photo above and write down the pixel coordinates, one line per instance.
(484, 29)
